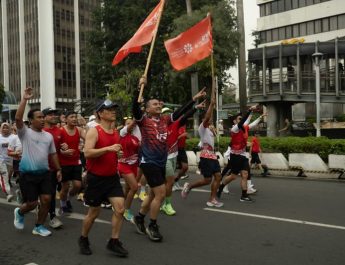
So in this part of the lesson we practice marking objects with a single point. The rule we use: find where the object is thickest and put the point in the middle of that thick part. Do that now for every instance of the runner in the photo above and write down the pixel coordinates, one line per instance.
(209, 164)
(34, 178)
(51, 120)
(128, 163)
(70, 160)
(102, 146)
(153, 157)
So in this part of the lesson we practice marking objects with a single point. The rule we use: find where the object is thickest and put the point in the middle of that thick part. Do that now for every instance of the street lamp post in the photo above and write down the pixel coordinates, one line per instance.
(316, 58)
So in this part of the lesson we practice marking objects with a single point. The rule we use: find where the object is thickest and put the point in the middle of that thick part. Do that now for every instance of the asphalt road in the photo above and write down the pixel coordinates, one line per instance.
(293, 221)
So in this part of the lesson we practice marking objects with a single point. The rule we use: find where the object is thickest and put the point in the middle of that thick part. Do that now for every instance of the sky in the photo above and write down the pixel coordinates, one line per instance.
(251, 14)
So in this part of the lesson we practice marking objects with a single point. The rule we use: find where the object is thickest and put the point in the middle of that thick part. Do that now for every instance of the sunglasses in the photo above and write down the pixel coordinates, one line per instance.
(107, 104)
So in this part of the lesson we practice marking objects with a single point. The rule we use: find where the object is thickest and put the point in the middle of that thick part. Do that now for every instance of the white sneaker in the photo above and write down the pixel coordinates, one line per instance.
(55, 223)
(251, 190)
(214, 203)
(185, 176)
(185, 190)
(9, 197)
(226, 189)
(176, 187)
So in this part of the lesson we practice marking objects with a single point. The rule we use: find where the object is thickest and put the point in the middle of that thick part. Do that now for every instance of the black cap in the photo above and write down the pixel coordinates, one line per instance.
(107, 104)
(69, 112)
(48, 111)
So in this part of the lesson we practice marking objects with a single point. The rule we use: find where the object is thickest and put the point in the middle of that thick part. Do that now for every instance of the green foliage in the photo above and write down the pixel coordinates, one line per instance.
(120, 19)
(2, 95)
(341, 118)
(286, 145)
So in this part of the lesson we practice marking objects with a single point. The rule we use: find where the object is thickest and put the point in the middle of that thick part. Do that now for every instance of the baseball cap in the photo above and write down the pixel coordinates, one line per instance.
(107, 104)
(92, 118)
(48, 111)
(69, 112)
(165, 110)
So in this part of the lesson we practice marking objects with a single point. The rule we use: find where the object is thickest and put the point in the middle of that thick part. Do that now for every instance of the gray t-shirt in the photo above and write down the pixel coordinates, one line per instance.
(36, 148)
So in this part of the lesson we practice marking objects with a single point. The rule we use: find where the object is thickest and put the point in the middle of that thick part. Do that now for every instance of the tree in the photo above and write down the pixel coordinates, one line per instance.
(118, 26)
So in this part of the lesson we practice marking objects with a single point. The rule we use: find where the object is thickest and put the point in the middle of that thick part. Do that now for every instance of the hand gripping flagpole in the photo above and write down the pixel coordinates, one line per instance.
(150, 52)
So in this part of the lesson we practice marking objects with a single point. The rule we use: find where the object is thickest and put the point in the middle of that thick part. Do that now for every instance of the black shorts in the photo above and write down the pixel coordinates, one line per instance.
(255, 158)
(32, 186)
(181, 158)
(238, 163)
(208, 167)
(154, 175)
(71, 173)
(100, 188)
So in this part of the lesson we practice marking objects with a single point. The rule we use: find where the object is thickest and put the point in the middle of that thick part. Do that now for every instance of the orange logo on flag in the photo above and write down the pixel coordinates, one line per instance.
(190, 46)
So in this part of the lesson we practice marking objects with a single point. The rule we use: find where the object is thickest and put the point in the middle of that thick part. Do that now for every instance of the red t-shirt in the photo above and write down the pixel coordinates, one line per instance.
(56, 133)
(182, 141)
(173, 133)
(73, 143)
(256, 145)
(106, 164)
(130, 147)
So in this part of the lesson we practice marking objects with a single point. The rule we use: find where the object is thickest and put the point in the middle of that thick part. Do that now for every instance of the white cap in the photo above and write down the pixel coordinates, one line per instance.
(92, 118)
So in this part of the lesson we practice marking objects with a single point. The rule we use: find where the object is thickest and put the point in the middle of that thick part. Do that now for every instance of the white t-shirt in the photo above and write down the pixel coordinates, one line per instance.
(37, 146)
(15, 144)
(4, 144)
(206, 142)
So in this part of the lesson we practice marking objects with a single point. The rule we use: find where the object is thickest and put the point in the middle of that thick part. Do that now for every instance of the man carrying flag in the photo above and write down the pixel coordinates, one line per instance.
(191, 46)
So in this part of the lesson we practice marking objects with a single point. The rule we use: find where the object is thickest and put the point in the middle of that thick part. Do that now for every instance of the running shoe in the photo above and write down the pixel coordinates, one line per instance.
(185, 191)
(128, 216)
(153, 232)
(84, 246)
(18, 219)
(80, 197)
(139, 225)
(136, 196)
(176, 187)
(117, 248)
(9, 197)
(168, 209)
(251, 190)
(246, 199)
(214, 203)
(41, 231)
(142, 195)
(226, 189)
(185, 176)
(55, 223)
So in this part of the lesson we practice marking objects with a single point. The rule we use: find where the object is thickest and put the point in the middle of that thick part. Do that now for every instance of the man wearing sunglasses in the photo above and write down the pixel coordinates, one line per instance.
(102, 147)
(153, 156)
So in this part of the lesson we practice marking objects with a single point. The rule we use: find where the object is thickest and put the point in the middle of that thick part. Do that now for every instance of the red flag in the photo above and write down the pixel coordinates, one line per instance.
(190, 46)
(143, 35)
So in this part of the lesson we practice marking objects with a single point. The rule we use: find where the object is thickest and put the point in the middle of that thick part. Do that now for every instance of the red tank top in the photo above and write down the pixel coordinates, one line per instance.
(106, 164)
(73, 143)
(130, 147)
(239, 140)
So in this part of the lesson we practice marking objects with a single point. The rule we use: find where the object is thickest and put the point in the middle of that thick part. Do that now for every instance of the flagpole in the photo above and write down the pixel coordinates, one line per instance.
(150, 53)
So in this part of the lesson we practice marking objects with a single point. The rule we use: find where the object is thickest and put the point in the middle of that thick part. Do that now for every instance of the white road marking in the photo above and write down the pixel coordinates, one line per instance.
(277, 218)
(31, 264)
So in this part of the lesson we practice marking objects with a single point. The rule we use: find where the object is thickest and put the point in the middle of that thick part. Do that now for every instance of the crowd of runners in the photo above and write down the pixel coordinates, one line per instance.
(55, 157)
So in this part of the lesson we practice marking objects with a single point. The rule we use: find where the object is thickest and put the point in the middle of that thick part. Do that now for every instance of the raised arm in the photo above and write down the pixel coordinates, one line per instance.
(21, 108)
(191, 112)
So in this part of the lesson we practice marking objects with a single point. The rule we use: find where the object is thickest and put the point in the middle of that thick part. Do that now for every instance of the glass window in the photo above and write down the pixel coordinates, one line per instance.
(274, 6)
(303, 29)
(302, 3)
(310, 2)
(295, 30)
(282, 33)
(262, 10)
(333, 23)
(281, 7)
(317, 25)
(268, 9)
(288, 5)
(288, 32)
(341, 22)
(269, 35)
(325, 24)
(310, 27)
(263, 37)
(275, 35)
(294, 4)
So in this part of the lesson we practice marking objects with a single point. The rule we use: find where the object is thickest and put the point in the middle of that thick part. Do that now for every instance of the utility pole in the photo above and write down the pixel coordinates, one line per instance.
(194, 79)
(241, 57)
